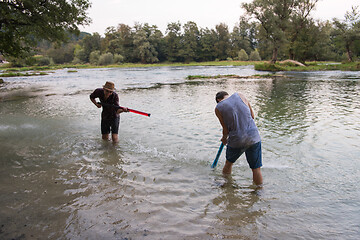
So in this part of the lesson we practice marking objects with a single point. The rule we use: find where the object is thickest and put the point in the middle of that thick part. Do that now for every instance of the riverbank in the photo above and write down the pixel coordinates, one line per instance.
(8, 68)
(310, 66)
(193, 77)
(7, 71)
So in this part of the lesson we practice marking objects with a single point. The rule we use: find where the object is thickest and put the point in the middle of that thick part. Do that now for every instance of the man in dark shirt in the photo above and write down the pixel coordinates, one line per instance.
(110, 117)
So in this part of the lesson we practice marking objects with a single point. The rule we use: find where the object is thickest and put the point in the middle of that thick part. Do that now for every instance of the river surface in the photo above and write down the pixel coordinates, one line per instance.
(60, 180)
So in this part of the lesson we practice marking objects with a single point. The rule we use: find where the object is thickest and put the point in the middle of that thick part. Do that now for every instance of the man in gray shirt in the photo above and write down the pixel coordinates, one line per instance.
(240, 133)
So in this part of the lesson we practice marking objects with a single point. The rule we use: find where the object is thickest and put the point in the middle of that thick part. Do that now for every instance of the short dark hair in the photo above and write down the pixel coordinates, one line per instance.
(220, 96)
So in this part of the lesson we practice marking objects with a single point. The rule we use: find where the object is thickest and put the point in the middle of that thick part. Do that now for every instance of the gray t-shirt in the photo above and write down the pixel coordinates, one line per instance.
(237, 118)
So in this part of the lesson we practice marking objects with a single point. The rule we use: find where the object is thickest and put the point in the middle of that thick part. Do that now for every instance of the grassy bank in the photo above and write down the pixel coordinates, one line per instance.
(21, 71)
(260, 66)
(19, 74)
(310, 66)
(126, 65)
(192, 77)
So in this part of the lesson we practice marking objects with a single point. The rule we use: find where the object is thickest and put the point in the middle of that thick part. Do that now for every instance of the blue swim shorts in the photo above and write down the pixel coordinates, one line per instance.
(108, 125)
(252, 153)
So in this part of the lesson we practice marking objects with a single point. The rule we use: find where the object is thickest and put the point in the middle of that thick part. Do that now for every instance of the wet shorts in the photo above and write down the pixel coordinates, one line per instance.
(110, 124)
(253, 154)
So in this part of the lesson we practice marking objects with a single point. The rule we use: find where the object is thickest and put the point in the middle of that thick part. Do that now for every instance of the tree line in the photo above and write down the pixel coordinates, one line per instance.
(269, 30)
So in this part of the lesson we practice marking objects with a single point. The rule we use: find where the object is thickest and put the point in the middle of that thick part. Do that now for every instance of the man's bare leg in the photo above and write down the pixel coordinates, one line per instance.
(257, 176)
(227, 168)
(115, 138)
(105, 137)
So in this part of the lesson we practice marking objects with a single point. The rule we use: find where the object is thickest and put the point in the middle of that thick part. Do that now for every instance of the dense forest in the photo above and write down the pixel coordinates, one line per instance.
(278, 33)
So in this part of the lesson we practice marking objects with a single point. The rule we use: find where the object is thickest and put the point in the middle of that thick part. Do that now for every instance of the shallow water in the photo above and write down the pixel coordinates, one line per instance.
(59, 180)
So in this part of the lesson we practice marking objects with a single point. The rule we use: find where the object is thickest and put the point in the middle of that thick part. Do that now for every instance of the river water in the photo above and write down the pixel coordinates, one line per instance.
(59, 180)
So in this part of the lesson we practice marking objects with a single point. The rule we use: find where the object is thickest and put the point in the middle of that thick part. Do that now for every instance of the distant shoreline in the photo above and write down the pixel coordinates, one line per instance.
(258, 65)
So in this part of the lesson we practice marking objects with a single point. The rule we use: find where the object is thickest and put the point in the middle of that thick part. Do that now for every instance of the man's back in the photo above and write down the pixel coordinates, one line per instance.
(238, 119)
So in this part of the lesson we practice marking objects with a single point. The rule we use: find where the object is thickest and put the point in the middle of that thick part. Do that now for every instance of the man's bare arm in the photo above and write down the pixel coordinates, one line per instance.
(225, 130)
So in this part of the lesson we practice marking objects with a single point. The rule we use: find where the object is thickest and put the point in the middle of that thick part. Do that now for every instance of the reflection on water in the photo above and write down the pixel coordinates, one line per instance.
(237, 219)
(58, 179)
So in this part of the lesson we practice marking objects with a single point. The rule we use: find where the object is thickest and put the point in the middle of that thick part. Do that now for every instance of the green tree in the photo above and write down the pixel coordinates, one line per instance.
(356, 49)
(114, 46)
(156, 39)
(126, 37)
(80, 54)
(208, 38)
(255, 56)
(91, 43)
(106, 59)
(299, 20)
(240, 37)
(111, 42)
(45, 61)
(223, 43)
(348, 30)
(173, 42)
(94, 57)
(24, 22)
(61, 54)
(313, 42)
(273, 16)
(144, 50)
(118, 58)
(243, 56)
(119, 40)
(191, 45)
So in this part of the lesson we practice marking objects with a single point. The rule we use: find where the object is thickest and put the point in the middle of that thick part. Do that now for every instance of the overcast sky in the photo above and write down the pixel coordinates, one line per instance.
(205, 13)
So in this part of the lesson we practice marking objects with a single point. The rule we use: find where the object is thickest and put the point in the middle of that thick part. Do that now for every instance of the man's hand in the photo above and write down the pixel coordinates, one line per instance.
(224, 140)
(98, 105)
(122, 109)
